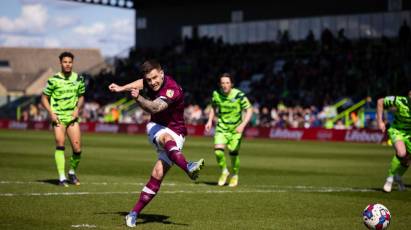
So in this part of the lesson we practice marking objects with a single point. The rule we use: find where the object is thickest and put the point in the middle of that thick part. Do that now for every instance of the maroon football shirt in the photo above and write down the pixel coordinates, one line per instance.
(173, 116)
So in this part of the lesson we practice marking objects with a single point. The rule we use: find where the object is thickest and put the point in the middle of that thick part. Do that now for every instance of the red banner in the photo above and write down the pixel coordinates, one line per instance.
(318, 134)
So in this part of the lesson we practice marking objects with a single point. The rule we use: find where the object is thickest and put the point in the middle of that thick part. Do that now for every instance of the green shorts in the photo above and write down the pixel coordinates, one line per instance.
(232, 140)
(398, 135)
(66, 120)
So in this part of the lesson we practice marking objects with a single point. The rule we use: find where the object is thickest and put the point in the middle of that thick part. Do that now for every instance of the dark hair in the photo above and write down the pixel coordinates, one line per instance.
(149, 65)
(227, 75)
(66, 54)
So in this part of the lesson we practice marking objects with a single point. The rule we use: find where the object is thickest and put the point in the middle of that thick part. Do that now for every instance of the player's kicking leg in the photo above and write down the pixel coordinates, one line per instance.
(194, 168)
(173, 151)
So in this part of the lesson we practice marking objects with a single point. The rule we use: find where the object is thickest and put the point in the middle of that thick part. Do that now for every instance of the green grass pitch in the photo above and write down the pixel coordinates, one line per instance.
(283, 185)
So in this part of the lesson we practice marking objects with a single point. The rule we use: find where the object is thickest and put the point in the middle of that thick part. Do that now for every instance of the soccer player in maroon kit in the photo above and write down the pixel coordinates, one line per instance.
(166, 129)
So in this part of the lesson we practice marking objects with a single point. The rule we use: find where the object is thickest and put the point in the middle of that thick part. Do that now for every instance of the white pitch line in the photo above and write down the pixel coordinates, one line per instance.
(241, 189)
(83, 226)
(313, 190)
(92, 183)
(173, 184)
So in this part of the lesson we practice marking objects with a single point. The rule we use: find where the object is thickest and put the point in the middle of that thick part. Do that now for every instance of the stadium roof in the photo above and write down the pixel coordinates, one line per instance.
(290, 6)
(22, 67)
(27, 60)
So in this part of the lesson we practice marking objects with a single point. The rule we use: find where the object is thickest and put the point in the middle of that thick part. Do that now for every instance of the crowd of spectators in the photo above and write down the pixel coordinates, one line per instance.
(280, 116)
(290, 83)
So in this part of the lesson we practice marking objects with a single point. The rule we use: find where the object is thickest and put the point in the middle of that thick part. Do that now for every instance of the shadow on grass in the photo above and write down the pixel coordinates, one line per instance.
(49, 181)
(211, 183)
(147, 218)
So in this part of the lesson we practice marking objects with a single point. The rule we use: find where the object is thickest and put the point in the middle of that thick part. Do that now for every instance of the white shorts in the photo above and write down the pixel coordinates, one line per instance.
(155, 130)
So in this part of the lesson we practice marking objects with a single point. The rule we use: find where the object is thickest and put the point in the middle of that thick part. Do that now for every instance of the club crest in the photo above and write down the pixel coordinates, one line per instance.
(170, 93)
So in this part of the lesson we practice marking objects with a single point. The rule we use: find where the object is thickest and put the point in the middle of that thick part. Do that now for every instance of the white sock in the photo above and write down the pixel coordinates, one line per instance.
(62, 178)
(71, 171)
(390, 179)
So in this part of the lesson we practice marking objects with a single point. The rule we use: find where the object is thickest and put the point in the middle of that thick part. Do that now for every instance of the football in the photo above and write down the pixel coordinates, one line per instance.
(376, 216)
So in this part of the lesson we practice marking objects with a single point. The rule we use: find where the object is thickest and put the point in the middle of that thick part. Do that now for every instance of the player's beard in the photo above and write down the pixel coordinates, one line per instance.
(66, 71)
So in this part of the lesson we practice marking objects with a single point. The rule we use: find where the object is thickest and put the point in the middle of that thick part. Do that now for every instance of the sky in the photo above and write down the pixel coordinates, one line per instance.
(64, 24)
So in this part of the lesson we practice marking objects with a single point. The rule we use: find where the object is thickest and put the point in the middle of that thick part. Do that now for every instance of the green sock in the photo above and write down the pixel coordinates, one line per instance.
(219, 155)
(75, 161)
(60, 161)
(235, 163)
(395, 166)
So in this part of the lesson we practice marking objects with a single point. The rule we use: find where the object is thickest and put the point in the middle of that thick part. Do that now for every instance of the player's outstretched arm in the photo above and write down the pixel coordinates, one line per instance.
(380, 110)
(138, 84)
(152, 107)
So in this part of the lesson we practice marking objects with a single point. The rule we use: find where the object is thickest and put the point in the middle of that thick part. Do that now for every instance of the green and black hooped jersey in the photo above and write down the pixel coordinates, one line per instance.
(402, 114)
(229, 109)
(64, 92)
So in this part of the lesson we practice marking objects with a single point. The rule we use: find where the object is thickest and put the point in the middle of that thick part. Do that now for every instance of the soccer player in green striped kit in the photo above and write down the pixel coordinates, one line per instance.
(400, 134)
(63, 99)
(228, 105)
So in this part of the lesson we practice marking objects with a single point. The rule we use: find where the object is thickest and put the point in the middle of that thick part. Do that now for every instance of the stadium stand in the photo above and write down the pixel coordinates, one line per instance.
(290, 83)
(24, 72)
(31, 66)
(303, 75)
